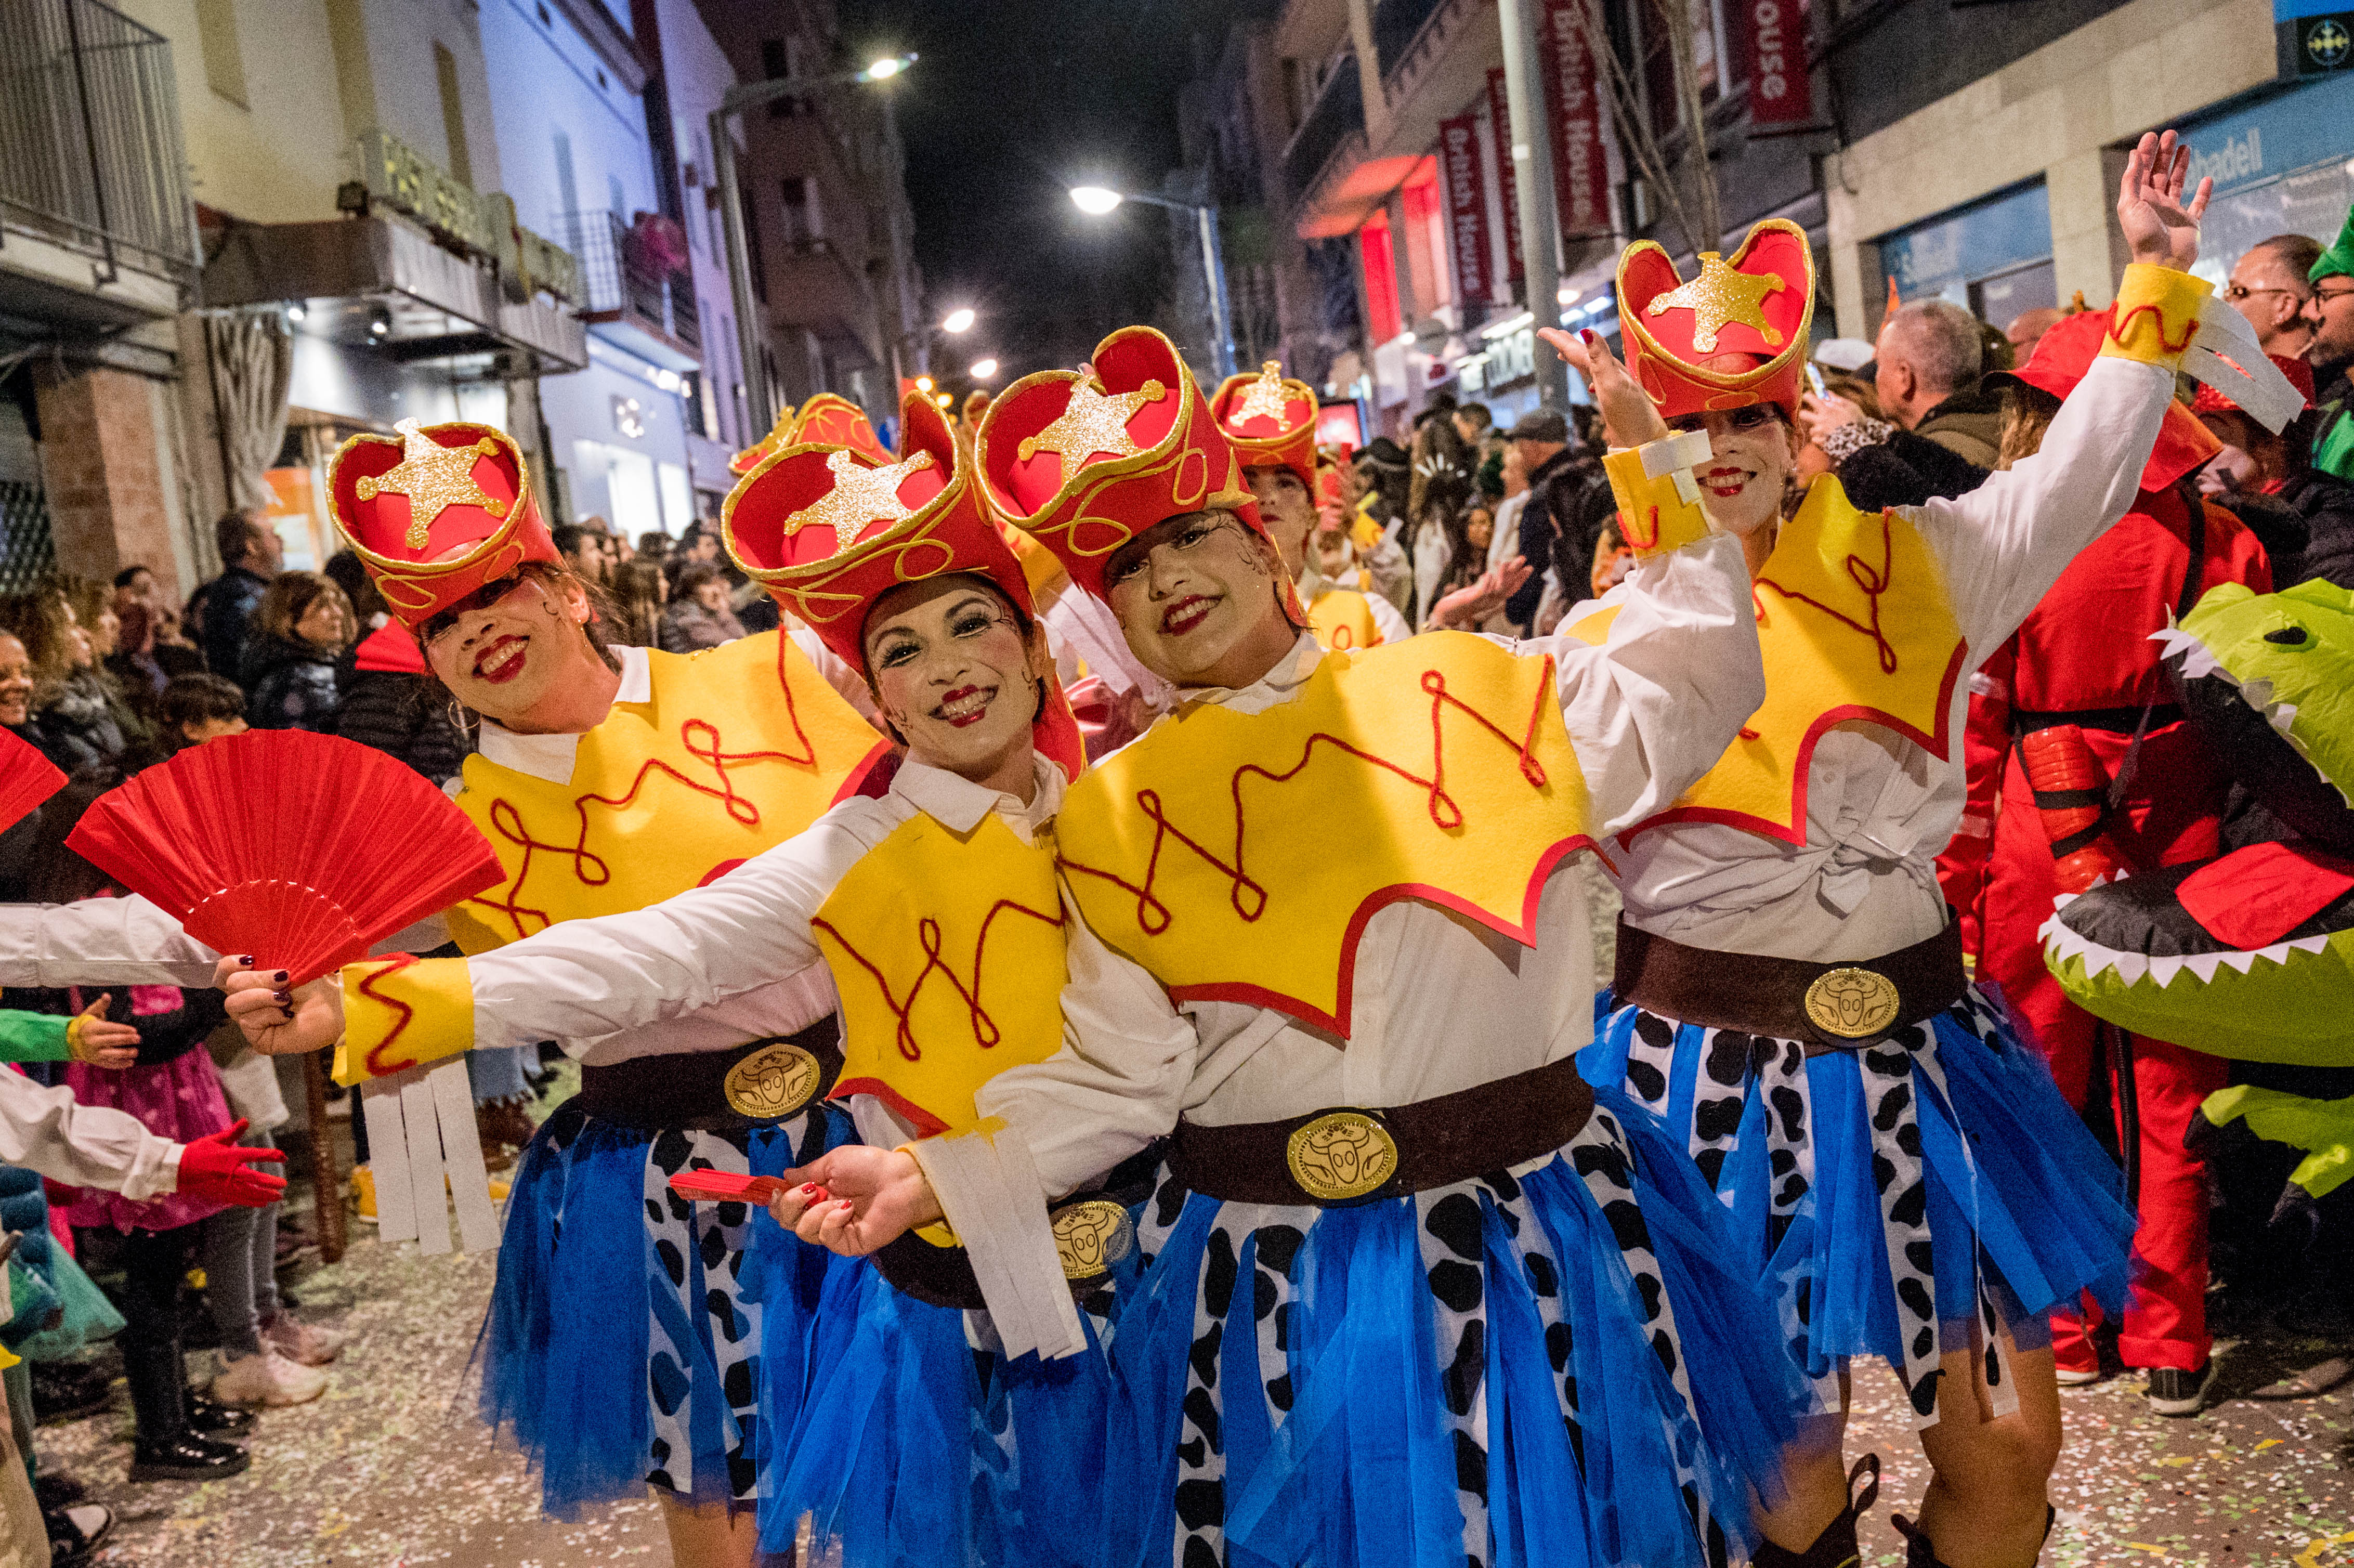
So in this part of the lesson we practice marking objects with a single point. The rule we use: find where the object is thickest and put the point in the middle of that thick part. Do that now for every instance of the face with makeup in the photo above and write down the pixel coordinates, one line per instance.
(1197, 597)
(1740, 481)
(957, 678)
(1287, 508)
(510, 646)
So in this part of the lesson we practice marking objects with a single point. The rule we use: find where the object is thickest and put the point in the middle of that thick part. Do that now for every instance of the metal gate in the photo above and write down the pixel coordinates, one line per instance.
(27, 554)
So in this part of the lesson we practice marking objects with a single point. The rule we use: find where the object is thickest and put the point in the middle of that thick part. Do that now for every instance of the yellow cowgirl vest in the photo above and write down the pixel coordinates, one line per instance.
(1854, 624)
(739, 748)
(1342, 621)
(1203, 851)
(947, 948)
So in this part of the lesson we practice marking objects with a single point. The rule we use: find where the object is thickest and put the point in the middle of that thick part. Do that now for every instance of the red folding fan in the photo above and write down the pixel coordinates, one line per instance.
(300, 849)
(26, 778)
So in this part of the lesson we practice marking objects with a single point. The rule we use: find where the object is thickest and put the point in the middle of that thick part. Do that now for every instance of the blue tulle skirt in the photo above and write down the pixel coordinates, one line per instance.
(918, 1448)
(634, 1338)
(1546, 1368)
(1835, 1168)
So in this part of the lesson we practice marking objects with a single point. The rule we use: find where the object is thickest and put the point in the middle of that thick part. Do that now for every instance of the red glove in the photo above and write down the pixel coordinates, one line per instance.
(216, 1168)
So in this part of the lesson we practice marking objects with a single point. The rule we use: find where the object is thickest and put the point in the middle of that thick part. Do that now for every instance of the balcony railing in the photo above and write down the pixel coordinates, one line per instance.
(89, 135)
(1338, 110)
(1395, 23)
(622, 287)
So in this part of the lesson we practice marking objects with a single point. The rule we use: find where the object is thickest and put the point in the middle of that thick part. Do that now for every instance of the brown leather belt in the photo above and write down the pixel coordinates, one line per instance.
(1353, 1155)
(1093, 1233)
(1828, 1007)
(750, 1087)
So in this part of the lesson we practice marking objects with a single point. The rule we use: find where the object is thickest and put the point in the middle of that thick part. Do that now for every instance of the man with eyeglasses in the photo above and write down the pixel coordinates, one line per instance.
(2268, 287)
(2330, 315)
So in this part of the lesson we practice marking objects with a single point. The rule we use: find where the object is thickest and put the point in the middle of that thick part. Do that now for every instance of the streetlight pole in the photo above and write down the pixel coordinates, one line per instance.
(1099, 200)
(1531, 156)
(760, 409)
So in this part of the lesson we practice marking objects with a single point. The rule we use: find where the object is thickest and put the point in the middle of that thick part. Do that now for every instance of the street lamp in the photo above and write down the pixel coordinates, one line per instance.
(982, 369)
(733, 102)
(1097, 201)
(958, 320)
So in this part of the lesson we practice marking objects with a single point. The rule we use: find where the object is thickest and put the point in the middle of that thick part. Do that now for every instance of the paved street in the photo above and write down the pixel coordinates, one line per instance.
(390, 1468)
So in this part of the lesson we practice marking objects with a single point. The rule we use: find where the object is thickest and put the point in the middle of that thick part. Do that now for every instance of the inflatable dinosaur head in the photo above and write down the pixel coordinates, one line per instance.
(2250, 955)
(2269, 679)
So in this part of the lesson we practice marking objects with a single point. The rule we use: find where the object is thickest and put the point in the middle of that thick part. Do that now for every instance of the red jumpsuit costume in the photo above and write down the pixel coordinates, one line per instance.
(2082, 657)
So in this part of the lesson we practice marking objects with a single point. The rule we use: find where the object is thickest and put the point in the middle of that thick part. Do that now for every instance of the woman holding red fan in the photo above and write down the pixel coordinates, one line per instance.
(608, 779)
(933, 908)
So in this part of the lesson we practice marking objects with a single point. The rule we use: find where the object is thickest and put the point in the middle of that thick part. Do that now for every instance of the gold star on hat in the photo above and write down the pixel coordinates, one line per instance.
(1720, 297)
(434, 478)
(1092, 422)
(860, 495)
(1265, 400)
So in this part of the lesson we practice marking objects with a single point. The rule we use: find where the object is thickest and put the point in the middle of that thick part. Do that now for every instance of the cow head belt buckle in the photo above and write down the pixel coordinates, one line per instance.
(1340, 1155)
(774, 1081)
(1090, 1238)
(1852, 1004)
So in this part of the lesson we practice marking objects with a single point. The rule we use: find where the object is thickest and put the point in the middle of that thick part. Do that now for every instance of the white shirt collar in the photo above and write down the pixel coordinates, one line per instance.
(551, 757)
(959, 804)
(1279, 685)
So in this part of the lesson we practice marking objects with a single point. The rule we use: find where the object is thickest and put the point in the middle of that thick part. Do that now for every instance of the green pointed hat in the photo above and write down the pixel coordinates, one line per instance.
(2340, 258)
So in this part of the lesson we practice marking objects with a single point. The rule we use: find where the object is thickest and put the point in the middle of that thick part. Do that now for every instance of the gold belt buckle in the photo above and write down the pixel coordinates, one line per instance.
(1340, 1155)
(1852, 1004)
(774, 1081)
(1091, 1237)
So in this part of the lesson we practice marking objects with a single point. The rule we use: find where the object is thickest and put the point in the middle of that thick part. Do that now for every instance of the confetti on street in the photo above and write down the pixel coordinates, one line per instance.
(388, 1469)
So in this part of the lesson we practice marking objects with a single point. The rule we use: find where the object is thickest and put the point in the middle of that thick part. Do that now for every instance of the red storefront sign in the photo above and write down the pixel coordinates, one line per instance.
(1774, 33)
(1466, 205)
(1581, 176)
(1500, 118)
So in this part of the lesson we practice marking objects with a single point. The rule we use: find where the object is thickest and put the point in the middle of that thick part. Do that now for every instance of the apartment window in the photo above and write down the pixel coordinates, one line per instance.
(803, 220)
(224, 57)
(779, 60)
(453, 114)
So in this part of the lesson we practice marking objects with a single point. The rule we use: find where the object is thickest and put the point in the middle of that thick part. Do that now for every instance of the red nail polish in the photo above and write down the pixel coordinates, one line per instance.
(809, 1189)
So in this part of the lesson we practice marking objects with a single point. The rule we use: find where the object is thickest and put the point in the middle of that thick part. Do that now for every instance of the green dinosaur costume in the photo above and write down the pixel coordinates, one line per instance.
(2250, 955)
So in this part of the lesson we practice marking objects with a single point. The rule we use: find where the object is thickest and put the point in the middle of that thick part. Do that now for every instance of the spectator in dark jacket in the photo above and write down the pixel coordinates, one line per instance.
(390, 703)
(2305, 518)
(699, 615)
(194, 709)
(74, 723)
(1878, 463)
(299, 631)
(1542, 440)
(251, 553)
(1930, 356)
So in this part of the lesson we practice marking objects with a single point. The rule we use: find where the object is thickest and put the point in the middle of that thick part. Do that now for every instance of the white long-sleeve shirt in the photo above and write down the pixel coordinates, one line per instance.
(699, 954)
(1879, 807)
(100, 942)
(47, 1131)
(1438, 1003)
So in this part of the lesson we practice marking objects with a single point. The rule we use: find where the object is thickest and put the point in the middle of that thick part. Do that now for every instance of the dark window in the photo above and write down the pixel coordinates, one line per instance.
(752, 256)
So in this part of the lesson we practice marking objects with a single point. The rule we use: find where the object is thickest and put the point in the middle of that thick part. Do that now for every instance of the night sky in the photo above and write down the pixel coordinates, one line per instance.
(1013, 103)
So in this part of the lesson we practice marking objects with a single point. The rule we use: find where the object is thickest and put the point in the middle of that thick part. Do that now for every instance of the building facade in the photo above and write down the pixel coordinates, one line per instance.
(839, 297)
(1966, 152)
